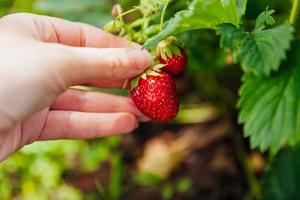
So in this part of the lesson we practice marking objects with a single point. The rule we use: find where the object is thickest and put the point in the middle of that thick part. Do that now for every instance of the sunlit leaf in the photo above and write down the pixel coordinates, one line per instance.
(261, 51)
(270, 107)
(201, 14)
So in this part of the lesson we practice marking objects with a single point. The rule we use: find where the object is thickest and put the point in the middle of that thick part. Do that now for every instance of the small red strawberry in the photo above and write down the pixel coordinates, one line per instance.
(176, 63)
(171, 53)
(154, 94)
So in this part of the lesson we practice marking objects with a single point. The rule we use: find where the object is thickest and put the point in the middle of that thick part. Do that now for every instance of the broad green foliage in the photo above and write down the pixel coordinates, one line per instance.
(241, 7)
(264, 19)
(232, 38)
(95, 12)
(55, 158)
(269, 98)
(261, 51)
(270, 107)
(63, 6)
(201, 14)
(282, 180)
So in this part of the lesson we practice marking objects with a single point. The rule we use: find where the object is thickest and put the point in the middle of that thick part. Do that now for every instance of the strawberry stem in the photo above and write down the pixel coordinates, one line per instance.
(127, 12)
(294, 12)
(163, 15)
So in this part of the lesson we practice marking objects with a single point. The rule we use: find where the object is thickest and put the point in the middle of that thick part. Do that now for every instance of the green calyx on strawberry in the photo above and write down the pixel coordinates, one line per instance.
(154, 94)
(171, 53)
(154, 70)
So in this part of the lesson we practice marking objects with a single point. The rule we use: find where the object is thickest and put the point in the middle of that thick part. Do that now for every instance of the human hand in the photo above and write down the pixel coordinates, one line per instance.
(41, 57)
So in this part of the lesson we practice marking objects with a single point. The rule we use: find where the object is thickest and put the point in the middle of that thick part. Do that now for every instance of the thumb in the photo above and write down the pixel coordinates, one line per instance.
(105, 64)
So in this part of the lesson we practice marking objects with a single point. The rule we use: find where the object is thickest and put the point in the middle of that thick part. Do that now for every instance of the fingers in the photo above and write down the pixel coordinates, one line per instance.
(72, 63)
(55, 30)
(79, 34)
(97, 102)
(117, 84)
(79, 125)
(82, 65)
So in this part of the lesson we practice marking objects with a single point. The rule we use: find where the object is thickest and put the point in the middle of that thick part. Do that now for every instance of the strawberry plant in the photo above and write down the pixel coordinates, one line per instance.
(267, 55)
(157, 33)
(209, 49)
(266, 51)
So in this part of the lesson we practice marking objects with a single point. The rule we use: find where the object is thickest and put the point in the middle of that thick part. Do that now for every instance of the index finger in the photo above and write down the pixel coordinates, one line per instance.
(55, 30)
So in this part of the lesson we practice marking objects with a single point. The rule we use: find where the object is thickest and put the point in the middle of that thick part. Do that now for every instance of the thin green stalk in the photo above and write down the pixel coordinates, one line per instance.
(294, 12)
(127, 12)
(163, 15)
(145, 25)
(254, 185)
(250, 176)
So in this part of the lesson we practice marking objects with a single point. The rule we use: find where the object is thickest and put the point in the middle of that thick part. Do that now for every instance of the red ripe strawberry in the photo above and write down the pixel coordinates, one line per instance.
(171, 54)
(154, 94)
(176, 63)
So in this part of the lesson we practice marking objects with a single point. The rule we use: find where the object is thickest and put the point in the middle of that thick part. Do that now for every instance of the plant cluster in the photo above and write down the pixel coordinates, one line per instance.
(269, 97)
(222, 41)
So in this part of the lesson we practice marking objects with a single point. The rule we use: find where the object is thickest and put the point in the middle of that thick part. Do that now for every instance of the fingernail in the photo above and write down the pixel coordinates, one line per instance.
(142, 59)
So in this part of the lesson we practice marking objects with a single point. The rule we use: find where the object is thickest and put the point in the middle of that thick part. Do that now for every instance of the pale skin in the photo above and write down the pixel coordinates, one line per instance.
(41, 58)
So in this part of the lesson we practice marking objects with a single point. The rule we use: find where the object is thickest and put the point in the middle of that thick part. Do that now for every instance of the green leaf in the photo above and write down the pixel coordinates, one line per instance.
(201, 14)
(265, 19)
(241, 7)
(231, 36)
(168, 191)
(89, 11)
(261, 51)
(270, 107)
(62, 6)
(282, 180)
(183, 185)
(147, 179)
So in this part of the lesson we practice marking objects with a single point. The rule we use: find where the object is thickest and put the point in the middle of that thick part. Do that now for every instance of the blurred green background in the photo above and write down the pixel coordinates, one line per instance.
(222, 168)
